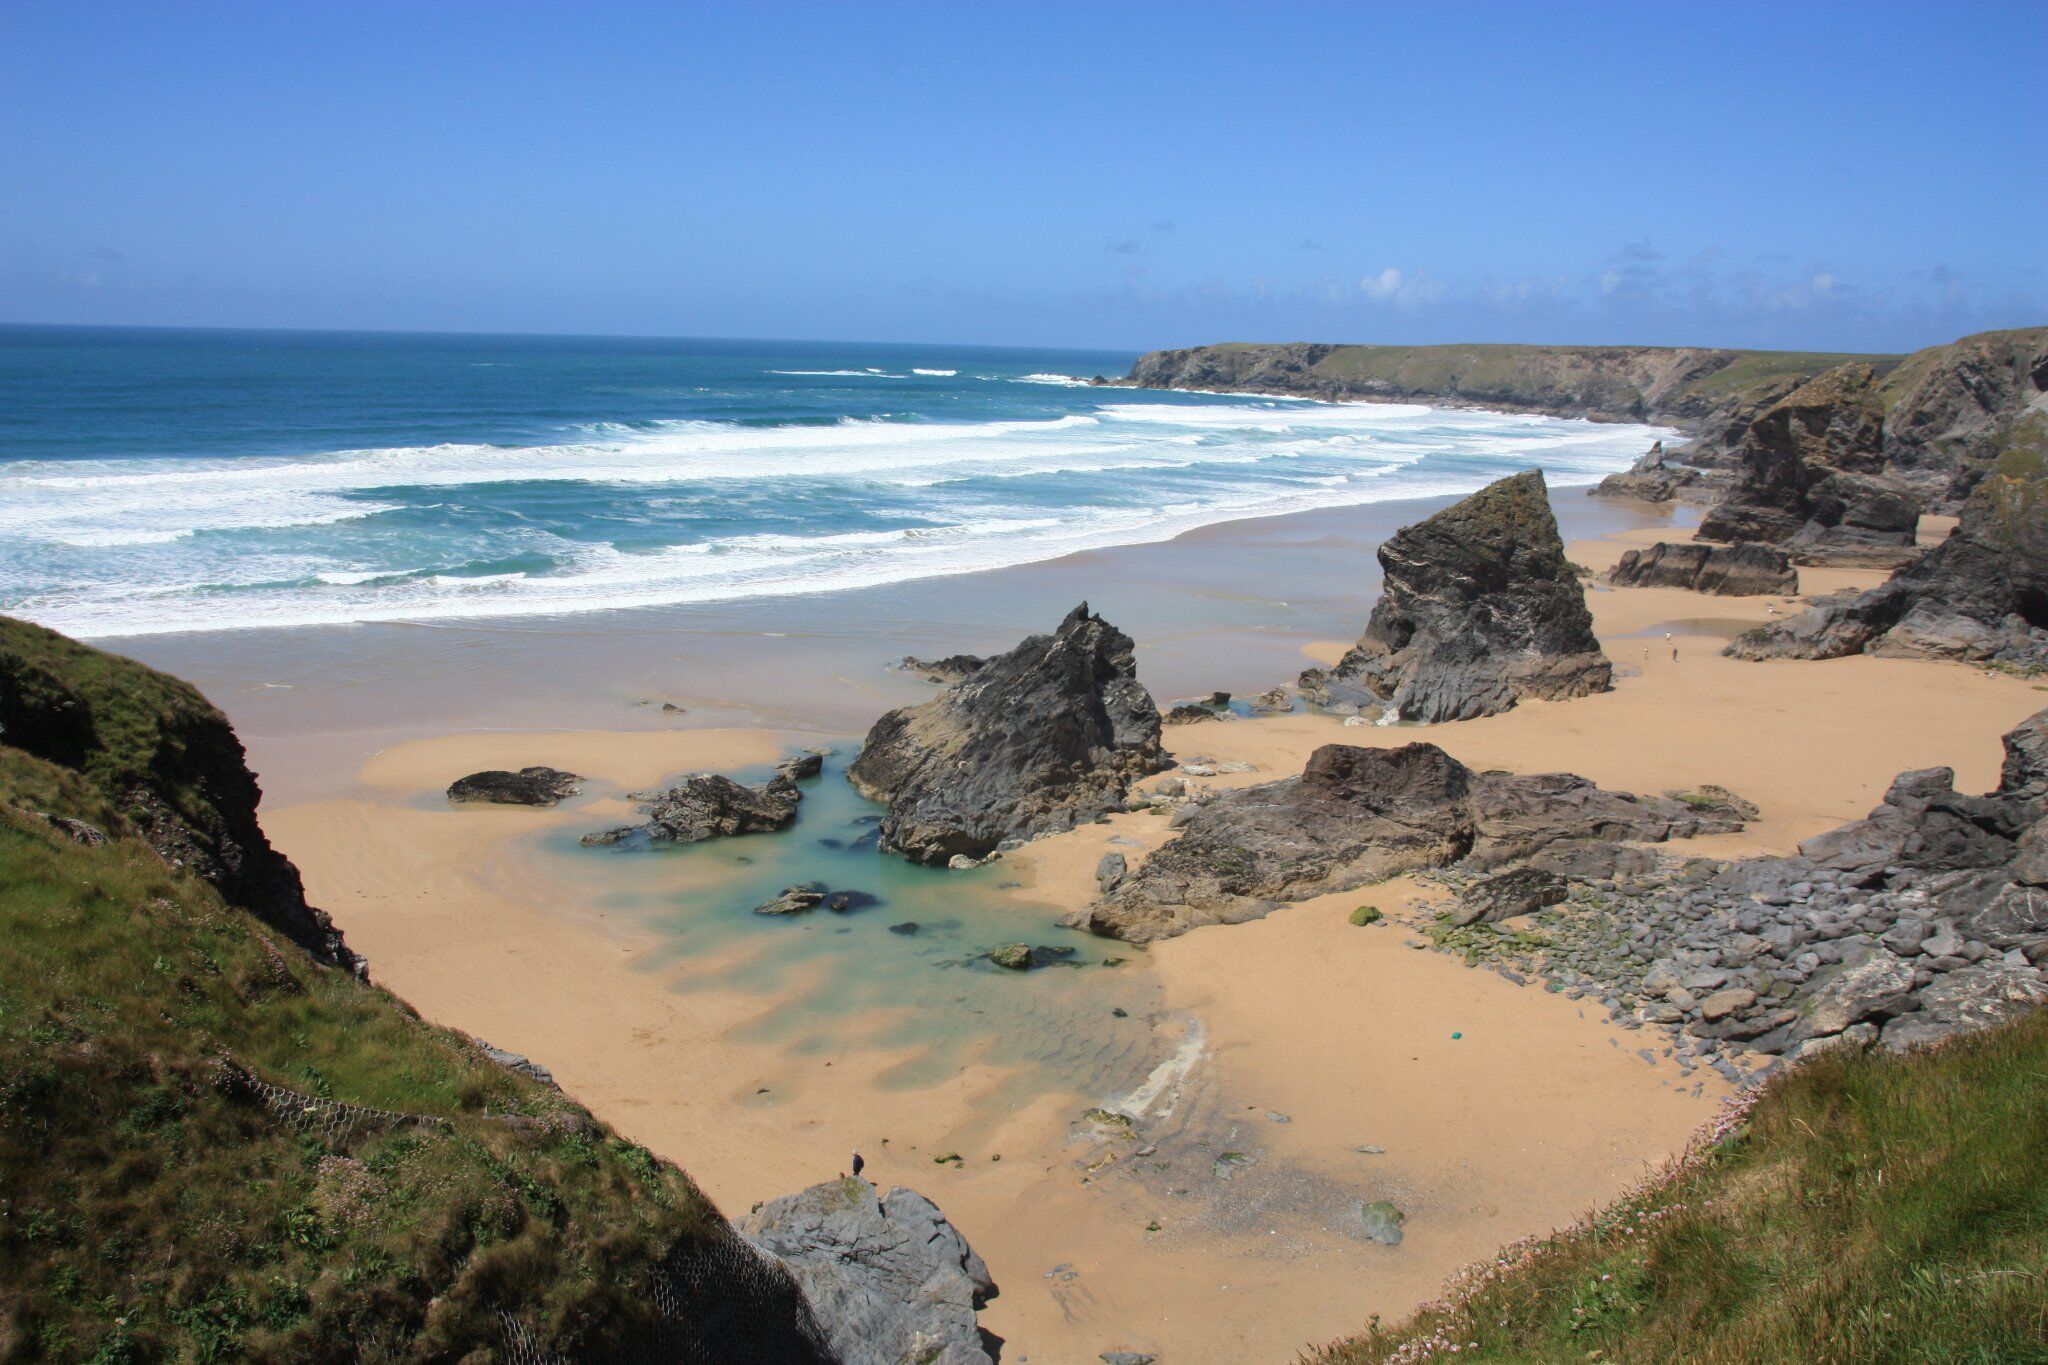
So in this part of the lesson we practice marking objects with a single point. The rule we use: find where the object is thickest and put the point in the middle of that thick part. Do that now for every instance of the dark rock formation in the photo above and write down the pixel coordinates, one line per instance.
(951, 669)
(1277, 701)
(1189, 713)
(888, 1278)
(1980, 595)
(527, 787)
(168, 761)
(1042, 738)
(1479, 610)
(709, 806)
(1743, 570)
(1361, 815)
(1025, 957)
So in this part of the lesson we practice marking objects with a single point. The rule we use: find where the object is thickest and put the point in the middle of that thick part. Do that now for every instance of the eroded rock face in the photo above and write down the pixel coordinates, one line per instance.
(1359, 815)
(1655, 477)
(1744, 570)
(1811, 477)
(1480, 609)
(1042, 738)
(527, 787)
(951, 669)
(888, 1278)
(1981, 595)
(1953, 408)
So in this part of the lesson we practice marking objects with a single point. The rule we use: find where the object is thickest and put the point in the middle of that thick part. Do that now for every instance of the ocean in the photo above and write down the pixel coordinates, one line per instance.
(171, 480)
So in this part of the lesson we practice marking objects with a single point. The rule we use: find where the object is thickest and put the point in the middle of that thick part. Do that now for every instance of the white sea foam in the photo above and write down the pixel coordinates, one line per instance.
(299, 541)
(1065, 381)
(936, 374)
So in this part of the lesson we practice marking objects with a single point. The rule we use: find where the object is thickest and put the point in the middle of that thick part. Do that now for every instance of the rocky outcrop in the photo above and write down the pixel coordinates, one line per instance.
(1951, 409)
(1656, 477)
(711, 806)
(1479, 610)
(888, 1278)
(1042, 738)
(527, 787)
(1359, 815)
(1743, 570)
(951, 669)
(1981, 595)
(1810, 477)
(168, 761)
(1927, 918)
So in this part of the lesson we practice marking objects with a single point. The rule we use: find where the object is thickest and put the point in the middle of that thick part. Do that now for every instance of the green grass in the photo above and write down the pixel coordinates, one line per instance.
(1869, 1208)
(147, 1215)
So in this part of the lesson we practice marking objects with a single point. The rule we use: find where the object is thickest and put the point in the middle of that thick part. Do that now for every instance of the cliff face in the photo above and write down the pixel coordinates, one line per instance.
(168, 761)
(1928, 425)
(1713, 393)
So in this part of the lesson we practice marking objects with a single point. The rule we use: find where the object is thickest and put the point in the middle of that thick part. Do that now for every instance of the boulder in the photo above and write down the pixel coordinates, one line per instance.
(1522, 891)
(1742, 570)
(1479, 610)
(1360, 815)
(1979, 596)
(888, 1278)
(794, 900)
(1873, 988)
(1278, 701)
(1189, 713)
(1110, 870)
(1966, 1000)
(710, 806)
(1042, 738)
(527, 787)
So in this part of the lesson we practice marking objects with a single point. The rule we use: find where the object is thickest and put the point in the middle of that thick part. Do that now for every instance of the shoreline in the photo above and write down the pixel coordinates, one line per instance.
(706, 1049)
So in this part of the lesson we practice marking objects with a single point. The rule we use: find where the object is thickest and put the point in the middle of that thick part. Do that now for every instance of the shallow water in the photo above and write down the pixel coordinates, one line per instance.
(847, 978)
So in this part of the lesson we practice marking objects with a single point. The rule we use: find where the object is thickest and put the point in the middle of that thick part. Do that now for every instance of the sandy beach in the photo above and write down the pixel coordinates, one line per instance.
(1281, 1073)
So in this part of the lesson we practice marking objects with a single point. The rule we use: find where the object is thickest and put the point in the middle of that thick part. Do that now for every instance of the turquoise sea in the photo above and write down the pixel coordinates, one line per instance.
(163, 480)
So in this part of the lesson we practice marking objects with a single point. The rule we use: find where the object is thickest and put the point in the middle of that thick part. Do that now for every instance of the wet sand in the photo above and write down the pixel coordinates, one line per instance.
(1257, 1058)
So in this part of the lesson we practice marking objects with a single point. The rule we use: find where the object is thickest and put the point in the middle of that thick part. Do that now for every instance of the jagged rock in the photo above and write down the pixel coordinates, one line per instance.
(527, 787)
(79, 832)
(1743, 570)
(1953, 407)
(794, 900)
(1110, 870)
(802, 766)
(1012, 957)
(1479, 610)
(1188, 713)
(1361, 815)
(1522, 891)
(710, 806)
(605, 838)
(888, 1278)
(1810, 477)
(1982, 594)
(951, 669)
(1043, 738)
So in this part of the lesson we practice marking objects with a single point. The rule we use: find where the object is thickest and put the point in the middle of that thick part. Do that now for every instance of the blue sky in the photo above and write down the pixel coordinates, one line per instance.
(1868, 177)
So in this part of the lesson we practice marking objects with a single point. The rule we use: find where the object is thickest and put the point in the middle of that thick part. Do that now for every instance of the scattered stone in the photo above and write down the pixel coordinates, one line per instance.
(527, 787)
(907, 928)
(1382, 1222)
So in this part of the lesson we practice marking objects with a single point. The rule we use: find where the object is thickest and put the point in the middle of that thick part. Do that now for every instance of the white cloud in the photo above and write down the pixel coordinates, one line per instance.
(1385, 285)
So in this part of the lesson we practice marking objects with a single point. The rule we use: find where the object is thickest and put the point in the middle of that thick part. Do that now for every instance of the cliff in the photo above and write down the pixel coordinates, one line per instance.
(218, 1142)
(1930, 423)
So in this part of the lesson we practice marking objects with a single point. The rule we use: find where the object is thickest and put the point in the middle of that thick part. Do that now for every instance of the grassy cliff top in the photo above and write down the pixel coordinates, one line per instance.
(213, 1148)
(1870, 1207)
